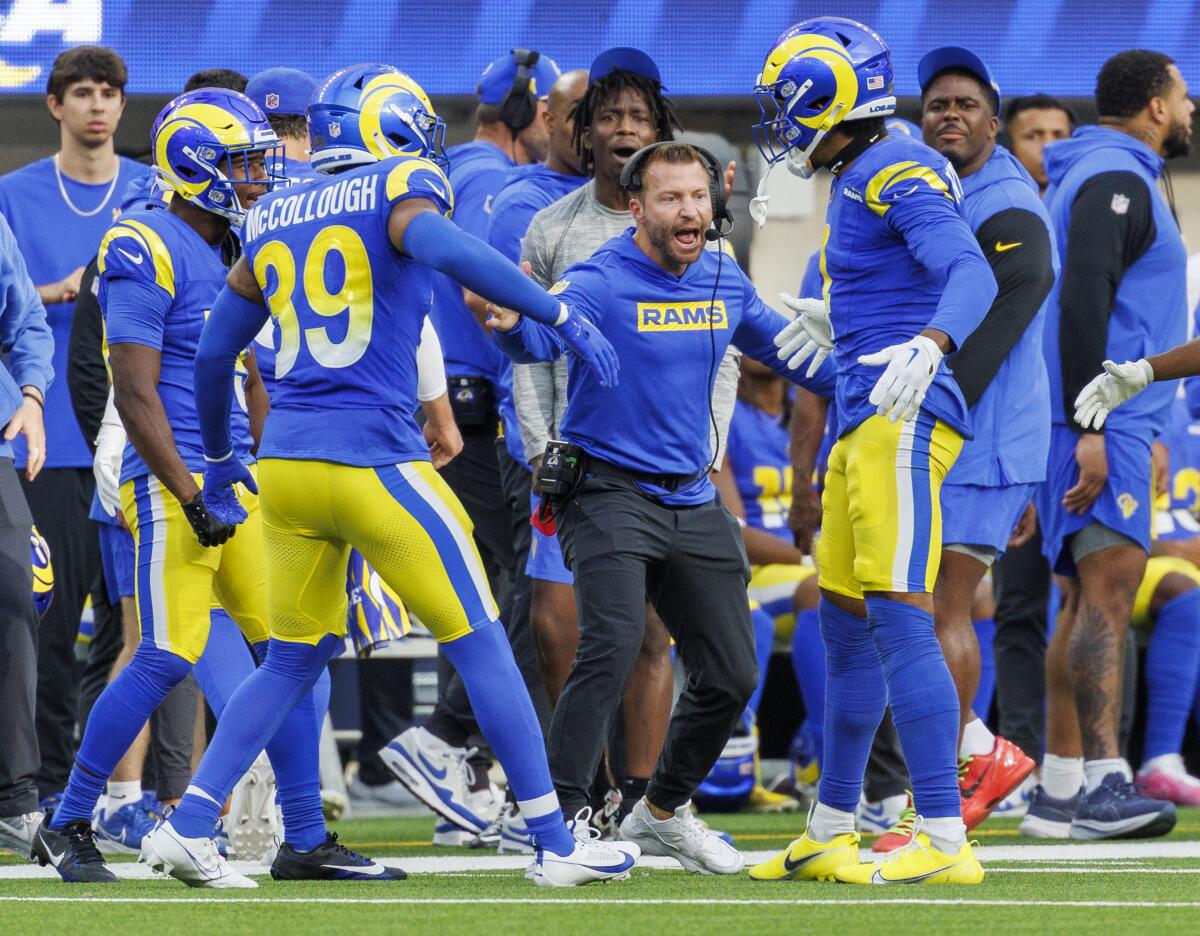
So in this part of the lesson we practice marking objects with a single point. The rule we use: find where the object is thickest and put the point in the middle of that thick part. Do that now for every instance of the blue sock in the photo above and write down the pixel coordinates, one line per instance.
(117, 717)
(1172, 664)
(261, 705)
(764, 638)
(294, 754)
(924, 703)
(985, 633)
(808, 663)
(506, 717)
(226, 662)
(855, 699)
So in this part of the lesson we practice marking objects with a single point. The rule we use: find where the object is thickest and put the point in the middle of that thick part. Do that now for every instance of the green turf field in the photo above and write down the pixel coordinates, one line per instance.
(1126, 889)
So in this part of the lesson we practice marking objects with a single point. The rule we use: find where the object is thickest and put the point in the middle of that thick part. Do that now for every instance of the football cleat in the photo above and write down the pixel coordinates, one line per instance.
(900, 833)
(1169, 781)
(1047, 817)
(682, 837)
(333, 804)
(984, 780)
(121, 832)
(806, 859)
(436, 774)
(762, 800)
(329, 861)
(591, 860)
(448, 835)
(1116, 809)
(252, 824)
(917, 862)
(1016, 804)
(72, 852)
(17, 832)
(195, 861)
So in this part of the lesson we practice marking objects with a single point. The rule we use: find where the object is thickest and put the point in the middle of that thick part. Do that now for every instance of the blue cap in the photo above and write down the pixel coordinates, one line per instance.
(624, 58)
(497, 79)
(900, 125)
(937, 61)
(281, 91)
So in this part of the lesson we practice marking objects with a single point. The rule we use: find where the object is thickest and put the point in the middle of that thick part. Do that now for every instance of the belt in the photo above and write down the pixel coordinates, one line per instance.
(668, 482)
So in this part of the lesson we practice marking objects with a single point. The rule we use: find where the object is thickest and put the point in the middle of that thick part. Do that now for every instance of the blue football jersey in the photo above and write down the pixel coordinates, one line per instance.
(1177, 509)
(348, 308)
(158, 280)
(762, 468)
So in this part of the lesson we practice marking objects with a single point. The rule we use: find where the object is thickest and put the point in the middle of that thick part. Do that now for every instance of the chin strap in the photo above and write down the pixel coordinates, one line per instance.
(853, 150)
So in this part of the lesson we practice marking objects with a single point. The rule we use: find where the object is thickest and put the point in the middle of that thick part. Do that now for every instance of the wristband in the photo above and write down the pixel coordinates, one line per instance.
(36, 399)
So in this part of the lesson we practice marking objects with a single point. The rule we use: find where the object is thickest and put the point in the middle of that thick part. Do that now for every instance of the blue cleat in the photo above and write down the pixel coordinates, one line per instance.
(329, 861)
(72, 852)
(121, 832)
(1048, 817)
(1116, 809)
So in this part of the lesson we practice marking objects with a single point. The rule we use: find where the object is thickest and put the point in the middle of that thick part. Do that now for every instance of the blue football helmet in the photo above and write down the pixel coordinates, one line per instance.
(732, 778)
(43, 572)
(203, 144)
(818, 74)
(366, 113)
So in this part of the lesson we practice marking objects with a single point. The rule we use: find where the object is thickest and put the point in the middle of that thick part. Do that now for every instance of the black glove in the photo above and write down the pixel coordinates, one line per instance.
(209, 530)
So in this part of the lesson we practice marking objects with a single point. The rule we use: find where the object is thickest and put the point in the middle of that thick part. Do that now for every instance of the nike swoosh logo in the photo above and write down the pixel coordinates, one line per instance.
(970, 791)
(131, 257)
(54, 859)
(1000, 248)
(439, 774)
(878, 878)
(872, 812)
(791, 866)
(373, 870)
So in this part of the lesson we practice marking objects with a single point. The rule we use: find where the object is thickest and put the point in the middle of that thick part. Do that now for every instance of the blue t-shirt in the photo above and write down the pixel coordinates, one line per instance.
(477, 173)
(899, 257)
(158, 280)
(670, 337)
(56, 240)
(348, 307)
(527, 190)
(762, 467)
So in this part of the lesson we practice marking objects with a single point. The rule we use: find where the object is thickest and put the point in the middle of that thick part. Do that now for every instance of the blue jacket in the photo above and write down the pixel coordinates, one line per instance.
(1011, 420)
(1149, 311)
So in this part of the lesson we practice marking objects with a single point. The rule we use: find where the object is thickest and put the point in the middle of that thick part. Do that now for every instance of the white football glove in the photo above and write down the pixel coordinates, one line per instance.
(809, 334)
(106, 465)
(900, 390)
(1109, 390)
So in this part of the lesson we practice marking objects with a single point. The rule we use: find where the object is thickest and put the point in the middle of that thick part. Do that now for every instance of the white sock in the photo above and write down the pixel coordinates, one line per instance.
(827, 822)
(947, 834)
(977, 740)
(118, 793)
(1170, 763)
(1094, 771)
(1062, 776)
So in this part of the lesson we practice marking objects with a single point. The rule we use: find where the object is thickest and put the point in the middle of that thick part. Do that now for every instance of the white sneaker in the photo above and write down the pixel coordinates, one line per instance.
(682, 837)
(592, 860)
(17, 832)
(436, 774)
(448, 835)
(195, 861)
(251, 822)
(514, 835)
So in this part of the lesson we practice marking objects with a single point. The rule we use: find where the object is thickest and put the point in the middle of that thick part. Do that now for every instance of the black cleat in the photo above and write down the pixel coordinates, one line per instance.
(330, 861)
(72, 852)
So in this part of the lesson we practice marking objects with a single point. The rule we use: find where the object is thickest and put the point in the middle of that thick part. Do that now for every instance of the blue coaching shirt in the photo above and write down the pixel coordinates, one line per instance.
(477, 173)
(55, 240)
(527, 190)
(670, 337)
(26, 342)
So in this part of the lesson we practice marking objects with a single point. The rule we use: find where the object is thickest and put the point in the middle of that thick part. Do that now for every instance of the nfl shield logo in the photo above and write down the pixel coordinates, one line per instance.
(1120, 204)
(272, 101)
(335, 130)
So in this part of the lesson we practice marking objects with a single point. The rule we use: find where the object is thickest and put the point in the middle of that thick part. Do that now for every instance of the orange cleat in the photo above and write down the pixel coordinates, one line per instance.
(986, 779)
(901, 832)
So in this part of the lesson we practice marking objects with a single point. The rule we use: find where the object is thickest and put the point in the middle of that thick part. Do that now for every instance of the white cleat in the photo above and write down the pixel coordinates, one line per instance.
(591, 861)
(251, 823)
(438, 775)
(195, 861)
(682, 837)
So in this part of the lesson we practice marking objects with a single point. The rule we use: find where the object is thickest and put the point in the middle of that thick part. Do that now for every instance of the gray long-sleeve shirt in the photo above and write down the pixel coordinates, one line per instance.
(566, 233)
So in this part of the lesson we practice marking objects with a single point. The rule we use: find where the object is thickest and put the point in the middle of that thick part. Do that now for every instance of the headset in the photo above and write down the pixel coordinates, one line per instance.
(519, 106)
(631, 181)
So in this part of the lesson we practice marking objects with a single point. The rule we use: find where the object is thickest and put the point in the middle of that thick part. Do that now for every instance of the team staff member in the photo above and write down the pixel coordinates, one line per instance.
(926, 288)
(644, 520)
(1002, 375)
(28, 348)
(1031, 123)
(1123, 285)
(58, 209)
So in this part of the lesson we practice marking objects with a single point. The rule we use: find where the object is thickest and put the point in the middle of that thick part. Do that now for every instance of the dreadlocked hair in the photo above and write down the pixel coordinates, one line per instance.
(608, 88)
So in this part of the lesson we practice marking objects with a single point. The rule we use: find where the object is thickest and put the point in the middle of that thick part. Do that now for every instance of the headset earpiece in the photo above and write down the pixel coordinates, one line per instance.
(519, 107)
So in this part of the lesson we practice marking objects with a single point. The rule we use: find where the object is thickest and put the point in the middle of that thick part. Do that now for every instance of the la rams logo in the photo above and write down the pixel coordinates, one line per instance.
(1128, 505)
(272, 101)
(681, 316)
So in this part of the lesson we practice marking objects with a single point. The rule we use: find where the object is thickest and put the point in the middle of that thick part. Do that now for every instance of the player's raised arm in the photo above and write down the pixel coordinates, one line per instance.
(1119, 382)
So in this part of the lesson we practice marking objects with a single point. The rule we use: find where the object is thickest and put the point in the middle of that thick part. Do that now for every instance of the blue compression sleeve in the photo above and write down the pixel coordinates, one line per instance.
(231, 326)
(438, 242)
(1172, 661)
